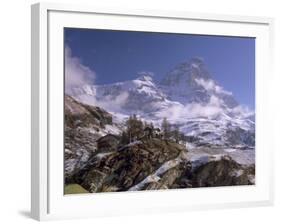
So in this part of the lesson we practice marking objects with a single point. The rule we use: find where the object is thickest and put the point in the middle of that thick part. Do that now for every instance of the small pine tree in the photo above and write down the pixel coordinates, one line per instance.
(166, 128)
(134, 128)
(177, 134)
(124, 138)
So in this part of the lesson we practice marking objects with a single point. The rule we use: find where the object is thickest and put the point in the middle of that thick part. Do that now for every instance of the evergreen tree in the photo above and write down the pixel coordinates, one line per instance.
(134, 128)
(124, 138)
(166, 128)
(177, 134)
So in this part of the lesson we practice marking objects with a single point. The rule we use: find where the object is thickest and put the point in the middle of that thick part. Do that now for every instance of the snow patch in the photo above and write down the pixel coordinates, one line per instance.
(156, 175)
(102, 155)
(237, 173)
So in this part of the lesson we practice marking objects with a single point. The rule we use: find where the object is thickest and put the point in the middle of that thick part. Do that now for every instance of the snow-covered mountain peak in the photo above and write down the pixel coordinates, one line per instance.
(186, 72)
(187, 96)
(190, 82)
(145, 76)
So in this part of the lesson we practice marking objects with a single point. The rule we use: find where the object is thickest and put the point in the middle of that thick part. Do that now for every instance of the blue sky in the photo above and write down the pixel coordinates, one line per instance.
(120, 55)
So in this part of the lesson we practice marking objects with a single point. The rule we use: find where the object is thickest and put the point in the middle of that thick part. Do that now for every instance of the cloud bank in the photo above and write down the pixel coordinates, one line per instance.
(76, 74)
(210, 85)
(179, 112)
(193, 110)
(110, 103)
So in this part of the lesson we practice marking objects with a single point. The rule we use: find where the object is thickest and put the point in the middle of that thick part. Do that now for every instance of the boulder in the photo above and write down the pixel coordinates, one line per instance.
(223, 172)
(108, 143)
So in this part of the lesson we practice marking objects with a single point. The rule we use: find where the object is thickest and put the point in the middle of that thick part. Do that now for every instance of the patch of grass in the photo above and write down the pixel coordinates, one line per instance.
(74, 189)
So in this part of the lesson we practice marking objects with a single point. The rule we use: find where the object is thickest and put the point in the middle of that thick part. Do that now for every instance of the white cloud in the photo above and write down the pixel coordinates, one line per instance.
(79, 75)
(210, 85)
(193, 110)
(113, 103)
(76, 74)
(243, 111)
(179, 113)
(110, 103)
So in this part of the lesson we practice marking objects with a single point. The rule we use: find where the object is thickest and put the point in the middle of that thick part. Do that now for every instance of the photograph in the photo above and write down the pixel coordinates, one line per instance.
(157, 111)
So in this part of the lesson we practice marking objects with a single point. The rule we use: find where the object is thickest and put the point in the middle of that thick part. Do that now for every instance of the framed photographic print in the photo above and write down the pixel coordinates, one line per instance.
(147, 111)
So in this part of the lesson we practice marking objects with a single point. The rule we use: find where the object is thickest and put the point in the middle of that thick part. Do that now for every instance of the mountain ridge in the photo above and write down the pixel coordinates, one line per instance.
(187, 96)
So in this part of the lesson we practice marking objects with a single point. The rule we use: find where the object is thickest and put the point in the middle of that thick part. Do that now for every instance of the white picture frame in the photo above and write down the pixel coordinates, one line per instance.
(48, 201)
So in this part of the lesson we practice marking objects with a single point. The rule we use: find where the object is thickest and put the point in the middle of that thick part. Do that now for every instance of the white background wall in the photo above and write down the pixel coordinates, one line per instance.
(15, 110)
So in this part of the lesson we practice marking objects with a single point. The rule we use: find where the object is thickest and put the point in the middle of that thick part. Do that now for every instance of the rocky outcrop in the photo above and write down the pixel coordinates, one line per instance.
(84, 125)
(81, 115)
(80, 145)
(156, 164)
(122, 169)
(108, 143)
(223, 172)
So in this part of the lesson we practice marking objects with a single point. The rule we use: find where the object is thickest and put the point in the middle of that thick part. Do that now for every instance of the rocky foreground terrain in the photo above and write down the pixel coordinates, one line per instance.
(96, 160)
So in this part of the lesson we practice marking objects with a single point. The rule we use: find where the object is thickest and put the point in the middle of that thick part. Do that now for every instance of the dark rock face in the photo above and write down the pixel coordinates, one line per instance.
(169, 179)
(187, 74)
(108, 143)
(224, 172)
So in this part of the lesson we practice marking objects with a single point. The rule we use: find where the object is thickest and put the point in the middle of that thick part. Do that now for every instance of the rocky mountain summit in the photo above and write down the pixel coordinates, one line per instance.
(190, 82)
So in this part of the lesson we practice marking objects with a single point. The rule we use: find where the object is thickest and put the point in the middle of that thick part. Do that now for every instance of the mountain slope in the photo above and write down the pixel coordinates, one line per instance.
(84, 125)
